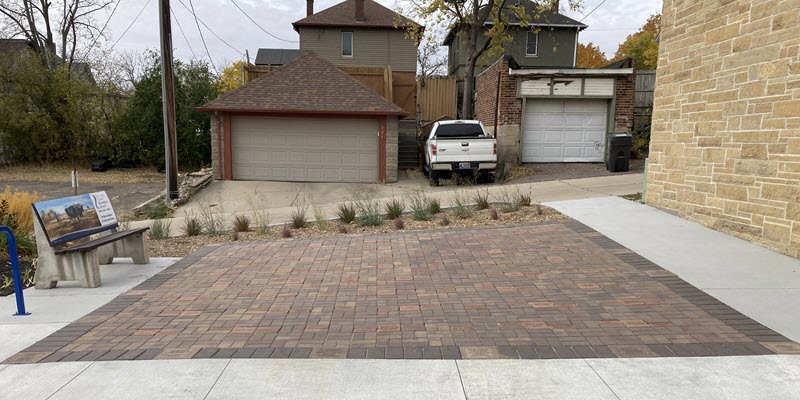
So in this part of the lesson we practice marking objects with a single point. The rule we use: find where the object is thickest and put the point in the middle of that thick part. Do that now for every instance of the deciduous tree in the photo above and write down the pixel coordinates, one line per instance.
(468, 18)
(590, 56)
(231, 77)
(642, 45)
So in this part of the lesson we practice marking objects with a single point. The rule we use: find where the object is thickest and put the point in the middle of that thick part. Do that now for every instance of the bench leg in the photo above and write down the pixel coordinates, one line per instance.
(134, 246)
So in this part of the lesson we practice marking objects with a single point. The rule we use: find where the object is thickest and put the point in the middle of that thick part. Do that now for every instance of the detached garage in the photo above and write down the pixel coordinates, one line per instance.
(305, 122)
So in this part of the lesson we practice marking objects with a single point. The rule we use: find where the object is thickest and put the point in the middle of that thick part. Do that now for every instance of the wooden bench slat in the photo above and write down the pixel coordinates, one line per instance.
(93, 244)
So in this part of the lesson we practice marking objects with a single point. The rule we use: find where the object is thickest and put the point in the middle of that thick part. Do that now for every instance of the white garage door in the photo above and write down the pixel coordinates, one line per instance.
(305, 149)
(564, 130)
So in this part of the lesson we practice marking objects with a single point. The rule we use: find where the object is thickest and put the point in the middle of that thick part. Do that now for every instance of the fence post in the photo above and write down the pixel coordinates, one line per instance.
(16, 276)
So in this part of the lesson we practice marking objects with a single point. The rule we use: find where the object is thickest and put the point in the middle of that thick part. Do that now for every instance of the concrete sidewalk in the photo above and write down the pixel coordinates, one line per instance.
(711, 378)
(281, 199)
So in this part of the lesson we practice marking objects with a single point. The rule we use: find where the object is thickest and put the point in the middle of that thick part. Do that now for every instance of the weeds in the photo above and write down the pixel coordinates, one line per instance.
(346, 213)
(241, 223)
(192, 227)
(444, 221)
(395, 208)
(481, 200)
(160, 229)
(493, 214)
(399, 224)
(298, 217)
(286, 232)
(461, 207)
(159, 210)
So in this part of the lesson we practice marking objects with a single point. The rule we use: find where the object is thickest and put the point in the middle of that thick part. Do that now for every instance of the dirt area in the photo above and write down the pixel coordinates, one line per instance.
(183, 245)
(562, 171)
(126, 188)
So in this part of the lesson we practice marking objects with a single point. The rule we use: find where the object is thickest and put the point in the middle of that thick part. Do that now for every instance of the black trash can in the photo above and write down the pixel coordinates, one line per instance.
(619, 152)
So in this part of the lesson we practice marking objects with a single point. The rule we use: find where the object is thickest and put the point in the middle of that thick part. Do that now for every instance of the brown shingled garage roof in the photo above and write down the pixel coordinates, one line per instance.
(306, 85)
(343, 14)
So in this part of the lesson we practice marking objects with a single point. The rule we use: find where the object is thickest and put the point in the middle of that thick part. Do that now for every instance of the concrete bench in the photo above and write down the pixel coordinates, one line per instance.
(74, 235)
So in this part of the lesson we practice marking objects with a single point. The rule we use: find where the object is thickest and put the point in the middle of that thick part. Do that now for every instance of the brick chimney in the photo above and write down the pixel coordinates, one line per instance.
(309, 7)
(359, 10)
(556, 5)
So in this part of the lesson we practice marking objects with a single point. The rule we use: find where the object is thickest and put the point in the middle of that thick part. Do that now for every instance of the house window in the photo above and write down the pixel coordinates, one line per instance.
(532, 45)
(347, 44)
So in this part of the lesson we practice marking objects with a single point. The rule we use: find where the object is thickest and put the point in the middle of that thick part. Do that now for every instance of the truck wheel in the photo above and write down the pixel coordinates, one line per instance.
(434, 177)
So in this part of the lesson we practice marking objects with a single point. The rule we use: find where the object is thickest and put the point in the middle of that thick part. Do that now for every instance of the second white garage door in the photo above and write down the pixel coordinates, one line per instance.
(305, 149)
(564, 130)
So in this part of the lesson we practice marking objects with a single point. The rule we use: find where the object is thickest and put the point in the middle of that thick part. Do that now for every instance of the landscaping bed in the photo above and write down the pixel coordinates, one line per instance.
(26, 269)
(447, 219)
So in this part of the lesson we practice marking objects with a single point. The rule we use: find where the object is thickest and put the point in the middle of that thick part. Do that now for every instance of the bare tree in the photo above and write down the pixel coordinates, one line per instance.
(55, 30)
(430, 58)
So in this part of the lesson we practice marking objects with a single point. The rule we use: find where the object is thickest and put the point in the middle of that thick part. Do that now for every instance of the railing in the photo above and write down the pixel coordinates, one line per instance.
(12, 253)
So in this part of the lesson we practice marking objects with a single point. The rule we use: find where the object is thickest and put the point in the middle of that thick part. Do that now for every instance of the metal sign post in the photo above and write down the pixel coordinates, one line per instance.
(12, 253)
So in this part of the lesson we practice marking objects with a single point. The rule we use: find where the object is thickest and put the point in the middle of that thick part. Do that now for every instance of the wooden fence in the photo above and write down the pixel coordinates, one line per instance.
(643, 104)
(436, 97)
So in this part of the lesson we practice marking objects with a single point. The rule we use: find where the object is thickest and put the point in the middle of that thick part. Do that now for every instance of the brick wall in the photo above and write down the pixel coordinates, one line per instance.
(214, 150)
(624, 102)
(486, 93)
(725, 147)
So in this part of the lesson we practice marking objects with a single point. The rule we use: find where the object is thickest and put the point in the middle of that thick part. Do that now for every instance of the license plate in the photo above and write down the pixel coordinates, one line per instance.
(464, 165)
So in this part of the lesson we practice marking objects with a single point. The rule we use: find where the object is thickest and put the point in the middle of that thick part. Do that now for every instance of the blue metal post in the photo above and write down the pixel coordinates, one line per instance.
(12, 253)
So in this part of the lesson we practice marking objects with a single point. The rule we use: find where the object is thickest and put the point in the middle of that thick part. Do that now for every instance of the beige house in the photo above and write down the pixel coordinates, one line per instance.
(358, 32)
(725, 146)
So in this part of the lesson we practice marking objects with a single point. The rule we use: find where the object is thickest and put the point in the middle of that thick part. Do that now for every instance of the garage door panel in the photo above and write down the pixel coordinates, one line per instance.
(564, 130)
(305, 149)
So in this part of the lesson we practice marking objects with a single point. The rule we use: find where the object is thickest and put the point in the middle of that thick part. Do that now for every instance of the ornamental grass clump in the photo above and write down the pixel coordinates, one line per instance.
(192, 227)
(461, 208)
(399, 224)
(481, 200)
(286, 232)
(298, 217)
(346, 212)
(420, 208)
(319, 218)
(369, 213)
(394, 208)
(160, 229)
(241, 223)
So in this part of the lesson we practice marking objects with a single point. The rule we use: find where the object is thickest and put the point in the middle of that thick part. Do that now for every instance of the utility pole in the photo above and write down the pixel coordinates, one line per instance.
(168, 101)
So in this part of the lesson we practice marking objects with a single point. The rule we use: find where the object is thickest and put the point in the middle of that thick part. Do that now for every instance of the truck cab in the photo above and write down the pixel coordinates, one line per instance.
(459, 147)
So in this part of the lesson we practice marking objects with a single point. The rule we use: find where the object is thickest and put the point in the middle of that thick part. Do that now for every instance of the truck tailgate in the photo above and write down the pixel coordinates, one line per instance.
(456, 150)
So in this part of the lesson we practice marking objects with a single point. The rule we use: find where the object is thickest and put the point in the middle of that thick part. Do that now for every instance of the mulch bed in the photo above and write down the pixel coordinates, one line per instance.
(6, 284)
(183, 245)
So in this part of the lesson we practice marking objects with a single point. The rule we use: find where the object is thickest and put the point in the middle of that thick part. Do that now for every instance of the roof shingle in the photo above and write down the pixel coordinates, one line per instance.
(343, 14)
(306, 85)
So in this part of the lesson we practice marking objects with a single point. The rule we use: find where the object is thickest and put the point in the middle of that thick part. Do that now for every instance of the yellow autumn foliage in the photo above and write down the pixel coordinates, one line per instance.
(19, 205)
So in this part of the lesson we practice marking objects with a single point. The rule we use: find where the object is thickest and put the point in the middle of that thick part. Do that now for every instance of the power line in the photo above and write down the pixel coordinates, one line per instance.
(595, 9)
(130, 25)
(209, 29)
(202, 38)
(259, 26)
(180, 28)
(88, 49)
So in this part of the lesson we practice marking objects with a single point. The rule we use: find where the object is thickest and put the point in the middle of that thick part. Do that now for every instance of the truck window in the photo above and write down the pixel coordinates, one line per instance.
(459, 131)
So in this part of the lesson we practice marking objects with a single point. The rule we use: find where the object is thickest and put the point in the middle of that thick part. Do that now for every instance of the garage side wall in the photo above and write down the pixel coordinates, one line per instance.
(392, 126)
(215, 148)
(725, 145)
(624, 102)
(508, 106)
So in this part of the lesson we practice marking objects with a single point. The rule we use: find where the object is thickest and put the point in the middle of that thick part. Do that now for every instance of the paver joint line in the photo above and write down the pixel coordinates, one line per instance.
(533, 291)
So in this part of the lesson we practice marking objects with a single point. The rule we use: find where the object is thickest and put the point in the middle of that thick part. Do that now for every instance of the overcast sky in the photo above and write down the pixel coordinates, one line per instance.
(609, 24)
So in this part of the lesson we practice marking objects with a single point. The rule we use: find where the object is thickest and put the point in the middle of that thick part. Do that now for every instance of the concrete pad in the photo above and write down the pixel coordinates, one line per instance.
(338, 379)
(52, 309)
(116, 278)
(531, 379)
(19, 336)
(38, 381)
(708, 378)
(760, 283)
(158, 379)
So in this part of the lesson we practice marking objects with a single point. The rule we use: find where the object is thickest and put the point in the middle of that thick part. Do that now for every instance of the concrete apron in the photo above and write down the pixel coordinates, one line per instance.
(281, 199)
(711, 378)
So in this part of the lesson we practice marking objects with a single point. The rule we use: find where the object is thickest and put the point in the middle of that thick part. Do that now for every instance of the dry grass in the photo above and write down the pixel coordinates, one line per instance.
(181, 246)
(19, 205)
(61, 173)
(519, 171)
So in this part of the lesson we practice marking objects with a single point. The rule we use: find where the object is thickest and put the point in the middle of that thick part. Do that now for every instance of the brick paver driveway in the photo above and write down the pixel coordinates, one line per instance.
(547, 290)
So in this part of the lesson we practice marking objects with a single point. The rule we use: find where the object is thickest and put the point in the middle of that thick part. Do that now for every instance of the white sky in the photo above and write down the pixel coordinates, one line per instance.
(609, 25)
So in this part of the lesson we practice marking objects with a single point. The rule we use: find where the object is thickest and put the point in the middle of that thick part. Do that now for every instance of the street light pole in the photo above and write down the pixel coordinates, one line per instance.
(168, 101)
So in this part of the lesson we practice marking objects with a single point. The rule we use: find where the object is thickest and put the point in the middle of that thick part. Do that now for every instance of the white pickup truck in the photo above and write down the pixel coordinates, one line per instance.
(459, 147)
